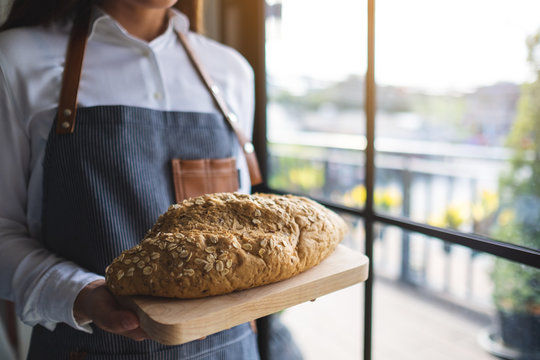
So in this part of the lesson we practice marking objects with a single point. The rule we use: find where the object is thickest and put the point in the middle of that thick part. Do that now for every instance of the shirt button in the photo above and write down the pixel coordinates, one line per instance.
(158, 95)
(146, 52)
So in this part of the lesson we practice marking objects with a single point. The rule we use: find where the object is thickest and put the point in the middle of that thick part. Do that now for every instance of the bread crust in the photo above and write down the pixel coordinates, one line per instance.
(219, 243)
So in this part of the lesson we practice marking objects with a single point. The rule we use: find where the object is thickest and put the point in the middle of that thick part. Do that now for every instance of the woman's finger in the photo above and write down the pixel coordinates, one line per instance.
(115, 321)
(102, 308)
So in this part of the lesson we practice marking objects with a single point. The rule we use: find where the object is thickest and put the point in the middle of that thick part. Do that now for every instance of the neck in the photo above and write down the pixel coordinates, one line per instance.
(141, 22)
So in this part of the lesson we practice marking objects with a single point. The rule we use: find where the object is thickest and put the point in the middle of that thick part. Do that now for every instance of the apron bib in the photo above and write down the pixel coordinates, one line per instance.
(104, 187)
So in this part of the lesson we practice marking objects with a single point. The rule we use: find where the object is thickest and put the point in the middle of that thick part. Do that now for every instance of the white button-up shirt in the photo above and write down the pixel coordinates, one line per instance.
(118, 69)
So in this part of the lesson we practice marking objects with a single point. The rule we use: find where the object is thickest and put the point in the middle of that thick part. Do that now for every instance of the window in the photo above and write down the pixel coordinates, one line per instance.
(416, 120)
(315, 88)
(455, 119)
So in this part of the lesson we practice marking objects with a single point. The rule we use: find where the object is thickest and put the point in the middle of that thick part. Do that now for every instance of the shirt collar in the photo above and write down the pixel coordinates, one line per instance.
(106, 28)
(179, 21)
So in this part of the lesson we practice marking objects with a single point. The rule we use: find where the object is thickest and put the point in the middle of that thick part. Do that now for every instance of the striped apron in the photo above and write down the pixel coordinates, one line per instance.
(104, 186)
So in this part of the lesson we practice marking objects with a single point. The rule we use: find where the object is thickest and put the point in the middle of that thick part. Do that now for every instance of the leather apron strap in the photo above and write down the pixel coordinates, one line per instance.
(67, 107)
(245, 143)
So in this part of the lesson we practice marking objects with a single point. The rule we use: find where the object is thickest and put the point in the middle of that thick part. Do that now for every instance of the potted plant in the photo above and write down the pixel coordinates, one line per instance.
(516, 292)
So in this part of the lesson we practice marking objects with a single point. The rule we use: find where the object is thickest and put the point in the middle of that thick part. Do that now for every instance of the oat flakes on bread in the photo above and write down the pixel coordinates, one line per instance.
(219, 243)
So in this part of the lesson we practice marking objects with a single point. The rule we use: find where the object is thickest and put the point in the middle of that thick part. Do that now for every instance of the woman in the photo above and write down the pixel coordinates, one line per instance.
(79, 185)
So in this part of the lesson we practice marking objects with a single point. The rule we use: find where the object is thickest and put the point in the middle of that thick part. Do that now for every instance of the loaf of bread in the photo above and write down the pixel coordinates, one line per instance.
(219, 243)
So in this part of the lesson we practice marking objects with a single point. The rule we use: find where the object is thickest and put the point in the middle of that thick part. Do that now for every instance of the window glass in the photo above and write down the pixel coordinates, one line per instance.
(331, 327)
(429, 295)
(316, 61)
(460, 304)
(458, 122)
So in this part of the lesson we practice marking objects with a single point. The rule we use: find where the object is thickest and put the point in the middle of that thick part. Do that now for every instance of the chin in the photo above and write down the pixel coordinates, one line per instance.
(154, 4)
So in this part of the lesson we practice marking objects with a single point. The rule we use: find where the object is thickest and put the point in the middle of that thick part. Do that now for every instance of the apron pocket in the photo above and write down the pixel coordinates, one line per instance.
(203, 176)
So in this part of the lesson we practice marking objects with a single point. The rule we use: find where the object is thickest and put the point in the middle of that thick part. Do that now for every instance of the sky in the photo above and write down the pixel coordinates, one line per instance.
(434, 45)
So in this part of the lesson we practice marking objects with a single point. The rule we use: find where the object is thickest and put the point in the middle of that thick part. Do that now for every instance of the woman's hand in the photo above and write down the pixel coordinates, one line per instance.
(97, 304)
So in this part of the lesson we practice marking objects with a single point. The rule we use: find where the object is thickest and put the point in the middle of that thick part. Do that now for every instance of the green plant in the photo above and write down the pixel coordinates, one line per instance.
(517, 287)
(516, 292)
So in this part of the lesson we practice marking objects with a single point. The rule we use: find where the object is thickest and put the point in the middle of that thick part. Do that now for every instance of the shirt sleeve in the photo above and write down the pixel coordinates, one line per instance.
(42, 285)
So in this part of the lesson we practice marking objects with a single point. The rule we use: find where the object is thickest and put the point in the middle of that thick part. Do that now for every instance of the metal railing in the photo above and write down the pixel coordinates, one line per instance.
(341, 168)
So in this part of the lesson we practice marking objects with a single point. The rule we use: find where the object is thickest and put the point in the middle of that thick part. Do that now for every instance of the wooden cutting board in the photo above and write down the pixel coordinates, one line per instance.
(176, 321)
